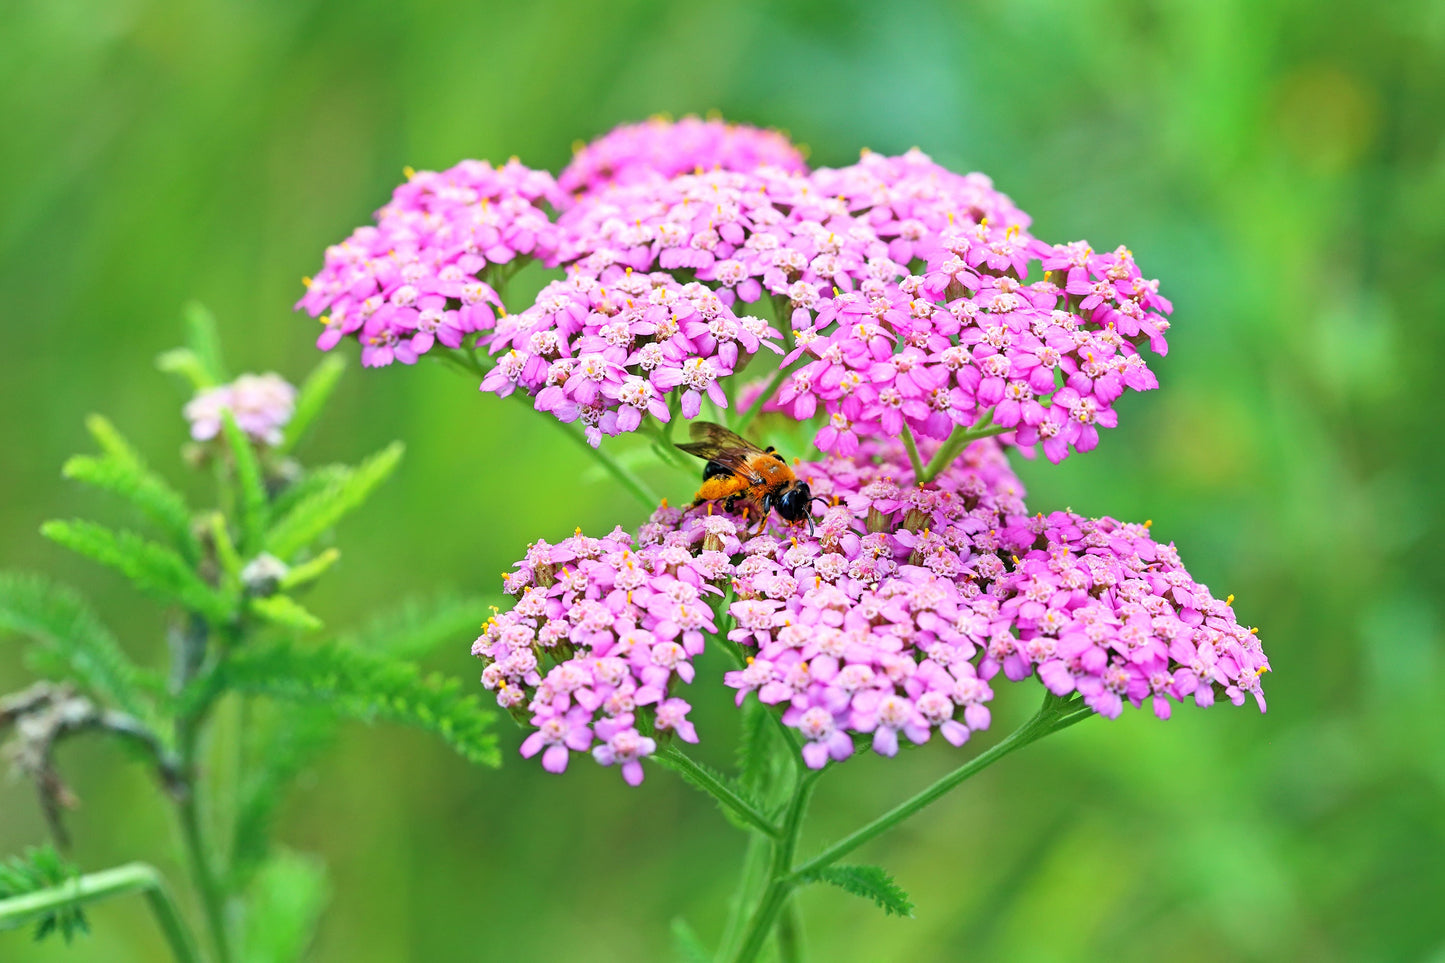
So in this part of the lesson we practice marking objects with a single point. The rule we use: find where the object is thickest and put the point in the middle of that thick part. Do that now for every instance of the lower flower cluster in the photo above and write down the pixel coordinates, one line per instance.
(887, 619)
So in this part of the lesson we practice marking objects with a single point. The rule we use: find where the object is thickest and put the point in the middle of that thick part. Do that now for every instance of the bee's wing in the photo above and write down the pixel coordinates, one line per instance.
(713, 442)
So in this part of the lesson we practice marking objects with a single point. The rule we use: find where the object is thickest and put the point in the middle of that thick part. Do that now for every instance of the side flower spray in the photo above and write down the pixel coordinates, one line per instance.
(903, 318)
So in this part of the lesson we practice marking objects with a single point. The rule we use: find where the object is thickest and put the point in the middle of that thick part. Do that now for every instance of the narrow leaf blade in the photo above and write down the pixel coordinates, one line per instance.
(315, 392)
(323, 509)
(154, 569)
(869, 882)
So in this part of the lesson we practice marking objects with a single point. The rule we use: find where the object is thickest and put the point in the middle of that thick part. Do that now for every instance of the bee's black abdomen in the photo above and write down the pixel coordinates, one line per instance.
(712, 470)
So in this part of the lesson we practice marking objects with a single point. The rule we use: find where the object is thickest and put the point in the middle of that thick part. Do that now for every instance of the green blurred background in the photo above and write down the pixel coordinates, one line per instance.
(1279, 165)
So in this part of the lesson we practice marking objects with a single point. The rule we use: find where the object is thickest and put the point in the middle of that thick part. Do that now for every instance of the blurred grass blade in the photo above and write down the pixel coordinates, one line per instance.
(286, 612)
(315, 392)
(204, 341)
(286, 900)
(254, 503)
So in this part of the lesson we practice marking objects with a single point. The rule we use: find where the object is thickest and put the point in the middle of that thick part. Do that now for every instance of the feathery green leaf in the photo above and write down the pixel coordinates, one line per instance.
(314, 481)
(64, 624)
(360, 685)
(723, 779)
(322, 509)
(146, 491)
(315, 392)
(869, 882)
(154, 569)
(40, 869)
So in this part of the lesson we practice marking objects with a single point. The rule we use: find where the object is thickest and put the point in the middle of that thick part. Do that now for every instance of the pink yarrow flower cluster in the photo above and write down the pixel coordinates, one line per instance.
(891, 294)
(661, 148)
(601, 633)
(887, 622)
(421, 275)
(261, 404)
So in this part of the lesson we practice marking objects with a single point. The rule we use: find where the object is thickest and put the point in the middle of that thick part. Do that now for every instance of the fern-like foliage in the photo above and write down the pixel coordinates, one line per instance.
(121, 472)
(360, 685)
(154, 569)
(39, 869)
(869, 882)
(314, 481)
(417, 627)
(74, 636)
(313, 515)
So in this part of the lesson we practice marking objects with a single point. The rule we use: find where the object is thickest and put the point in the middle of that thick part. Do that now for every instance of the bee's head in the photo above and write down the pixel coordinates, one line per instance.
(793, 504)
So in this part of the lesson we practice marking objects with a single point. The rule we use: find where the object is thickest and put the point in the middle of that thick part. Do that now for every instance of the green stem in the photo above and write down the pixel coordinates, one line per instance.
(628, 479)
(954, 445)
(790, 932)
(625, 476)
(1055, 714)
(911, 447)
(93, 887)
(781, 881)
(755, 862)
(762, 399)
(675, 758)
(207, 881)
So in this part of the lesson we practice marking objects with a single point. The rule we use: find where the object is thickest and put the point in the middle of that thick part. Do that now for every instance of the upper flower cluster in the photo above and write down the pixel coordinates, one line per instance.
(420, 276)
(660, 148)
(889, 620)
(891, 294)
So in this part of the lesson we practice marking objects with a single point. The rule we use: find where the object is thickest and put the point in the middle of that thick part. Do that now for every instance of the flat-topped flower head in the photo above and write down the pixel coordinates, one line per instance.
(662, 148)
(889, 619)
(896, 294)
(420, 275)
(261, 404)
(1098, 607)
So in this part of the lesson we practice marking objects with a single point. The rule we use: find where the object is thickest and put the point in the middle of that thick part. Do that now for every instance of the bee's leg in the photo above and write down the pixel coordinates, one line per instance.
(731, 504)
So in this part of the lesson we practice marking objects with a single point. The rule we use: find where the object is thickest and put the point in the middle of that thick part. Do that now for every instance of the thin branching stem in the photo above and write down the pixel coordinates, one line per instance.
(781, 881)
(470, 364)
(1054, 715)
(911, 446)
(102, 885)
(675, 758)
(954, 445)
